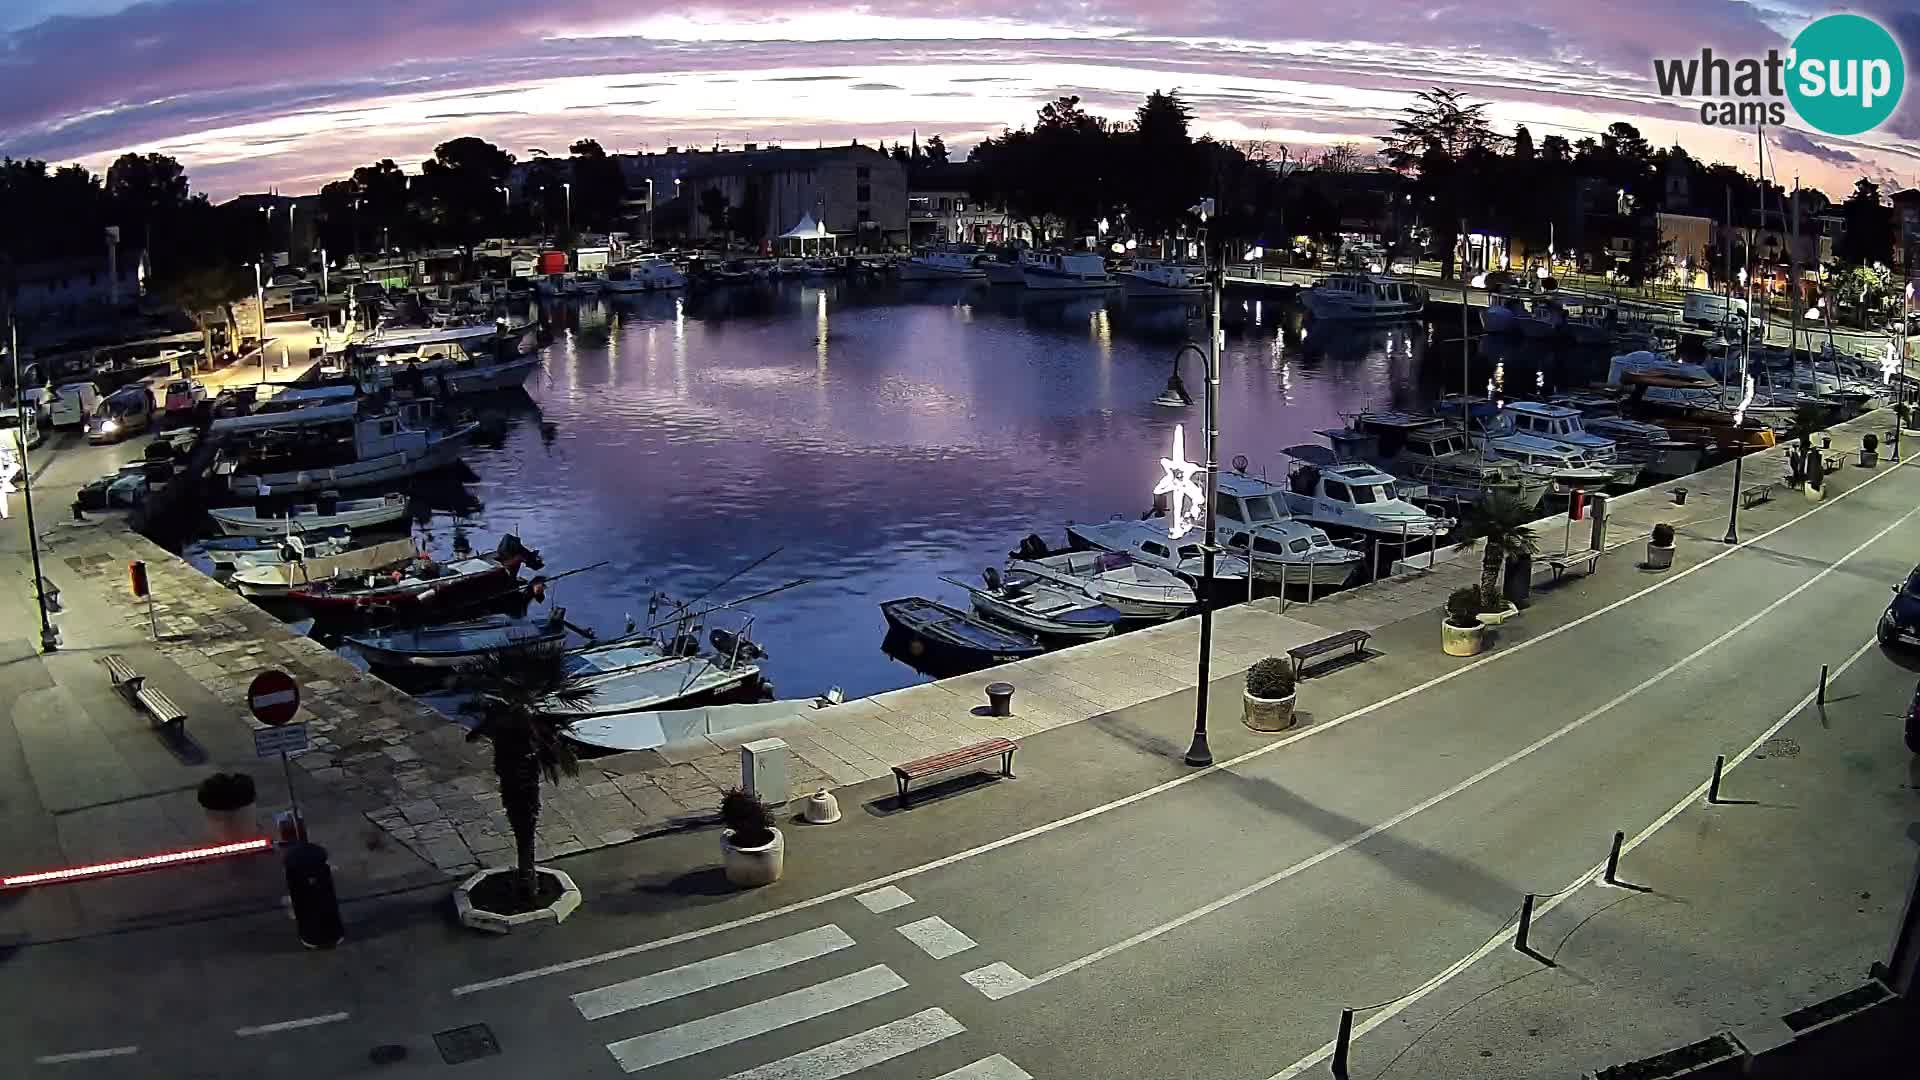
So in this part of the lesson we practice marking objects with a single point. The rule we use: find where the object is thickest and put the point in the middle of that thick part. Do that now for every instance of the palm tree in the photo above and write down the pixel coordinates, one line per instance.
(1502, 522)
(513, 693)
(1807, 421)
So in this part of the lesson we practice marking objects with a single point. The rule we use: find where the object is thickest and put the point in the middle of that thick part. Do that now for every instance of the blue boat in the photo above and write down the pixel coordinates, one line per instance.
(937, 638)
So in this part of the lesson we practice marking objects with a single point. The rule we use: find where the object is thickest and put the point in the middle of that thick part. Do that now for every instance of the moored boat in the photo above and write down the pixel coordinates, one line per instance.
(452, 644)
(948, 638)
(324, 513)
(422, 585)
(281, 578)
(1040, 607)
(1135, 590)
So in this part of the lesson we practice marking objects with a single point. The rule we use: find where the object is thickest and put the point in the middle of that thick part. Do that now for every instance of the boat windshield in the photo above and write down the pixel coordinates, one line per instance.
(1260, 508)
(1366, 493)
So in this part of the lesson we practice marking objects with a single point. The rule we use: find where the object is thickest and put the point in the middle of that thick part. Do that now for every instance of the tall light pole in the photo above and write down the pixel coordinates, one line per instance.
(260, 316)
(49, 637)
(568, 185)
(650, 211)
(1198, 753)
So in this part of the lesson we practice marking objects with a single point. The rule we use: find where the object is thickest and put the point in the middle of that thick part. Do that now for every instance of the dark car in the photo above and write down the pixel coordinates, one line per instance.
(1901, 622)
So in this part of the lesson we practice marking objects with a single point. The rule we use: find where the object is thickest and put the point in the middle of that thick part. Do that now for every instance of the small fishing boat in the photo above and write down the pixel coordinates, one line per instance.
(672, 677)
(654, 728)
(456, 643)
(324, 513)
(1148, 543)
(284, 550)
(1135, 590)
(225, 548)
(304, 569)
(944, 638)
(422, 584)
(1040, 607)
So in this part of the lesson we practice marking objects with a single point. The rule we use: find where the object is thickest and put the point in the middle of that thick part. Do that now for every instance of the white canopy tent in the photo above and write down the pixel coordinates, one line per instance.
(808, 229)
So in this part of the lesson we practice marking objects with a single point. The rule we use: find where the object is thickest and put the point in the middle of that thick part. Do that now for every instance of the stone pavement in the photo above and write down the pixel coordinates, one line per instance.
(418, 798)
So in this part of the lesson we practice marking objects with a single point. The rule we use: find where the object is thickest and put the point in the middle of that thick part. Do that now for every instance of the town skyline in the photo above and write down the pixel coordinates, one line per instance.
(365, 85)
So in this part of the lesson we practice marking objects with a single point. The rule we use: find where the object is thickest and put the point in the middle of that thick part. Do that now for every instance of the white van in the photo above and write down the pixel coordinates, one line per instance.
(1711, 311)
(73, 403)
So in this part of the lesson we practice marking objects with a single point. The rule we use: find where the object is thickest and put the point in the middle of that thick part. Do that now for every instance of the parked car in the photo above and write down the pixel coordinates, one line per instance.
(184, 396)
(20, 429)
(122, 413)
(1901, 622)
(37, 401)
(73, 403)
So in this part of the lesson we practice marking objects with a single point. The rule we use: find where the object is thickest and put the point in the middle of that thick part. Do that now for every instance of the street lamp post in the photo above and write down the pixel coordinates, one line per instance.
(1198, 753)
(49, 636)
(260, 317)
(569, 189)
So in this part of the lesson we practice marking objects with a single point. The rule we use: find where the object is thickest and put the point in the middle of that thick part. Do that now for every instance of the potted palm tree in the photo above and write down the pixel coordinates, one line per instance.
(228, 800)
(1268, 704)
(1869, 450)
(1816, 474)
(515, 698)
(1660, 547)
(752, 850)
(1500, 525)
(1460, 632)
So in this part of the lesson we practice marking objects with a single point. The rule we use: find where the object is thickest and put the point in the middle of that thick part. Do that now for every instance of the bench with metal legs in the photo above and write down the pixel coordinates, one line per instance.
(954, 759)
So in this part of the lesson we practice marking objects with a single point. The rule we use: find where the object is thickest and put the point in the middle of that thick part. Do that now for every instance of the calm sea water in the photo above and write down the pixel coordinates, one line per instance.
(881, 436)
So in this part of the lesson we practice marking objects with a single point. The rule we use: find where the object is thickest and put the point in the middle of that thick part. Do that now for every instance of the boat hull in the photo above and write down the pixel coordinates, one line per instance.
(304, 524)
(450, 647)
(1143, 286)
(936, 637)
(414, 596)
(372, 472)
(913, 271)
(1012, 615)
(1003, 274)
(1040, 282)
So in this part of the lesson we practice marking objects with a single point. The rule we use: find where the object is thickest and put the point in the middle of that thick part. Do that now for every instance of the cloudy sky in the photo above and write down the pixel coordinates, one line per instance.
(251, 94)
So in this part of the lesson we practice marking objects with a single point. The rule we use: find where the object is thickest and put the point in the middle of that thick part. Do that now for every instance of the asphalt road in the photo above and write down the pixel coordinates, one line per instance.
(1190, 924)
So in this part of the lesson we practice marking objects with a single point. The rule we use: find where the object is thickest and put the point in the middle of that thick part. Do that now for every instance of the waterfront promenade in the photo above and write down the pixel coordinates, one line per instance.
(1111, 912)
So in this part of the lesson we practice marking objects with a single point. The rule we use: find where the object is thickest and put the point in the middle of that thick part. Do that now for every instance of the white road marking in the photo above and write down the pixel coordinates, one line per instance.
(290, 1025)
(714, 971)
(997, 980)
(1502, 941)
(855, 1052)
(883, 900)
(996, 1067)
(936, 937)
(1426, 804)
(1158, 789)
(720, 1029)
(86, 1055)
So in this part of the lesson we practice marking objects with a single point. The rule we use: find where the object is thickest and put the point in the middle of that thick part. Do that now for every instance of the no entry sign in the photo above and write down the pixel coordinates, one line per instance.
(274, 697)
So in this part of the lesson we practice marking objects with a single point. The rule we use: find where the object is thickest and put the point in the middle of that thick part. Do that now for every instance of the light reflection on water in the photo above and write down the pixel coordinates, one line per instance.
(883, 436)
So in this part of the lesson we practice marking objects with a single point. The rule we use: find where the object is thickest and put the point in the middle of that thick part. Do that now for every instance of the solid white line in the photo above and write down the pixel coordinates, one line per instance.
(883, 900)
(855, 1052)
(936, 937)
(996, 1067)
(290, 1025)
(86, 1055)
(1502, 941)
(720, 1029)
(714, 971)
(1147, 793)
(1426, 804)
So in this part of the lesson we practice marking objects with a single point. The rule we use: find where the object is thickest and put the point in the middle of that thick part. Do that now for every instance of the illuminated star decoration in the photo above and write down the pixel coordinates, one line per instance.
(1188, 499)
(1740, 413)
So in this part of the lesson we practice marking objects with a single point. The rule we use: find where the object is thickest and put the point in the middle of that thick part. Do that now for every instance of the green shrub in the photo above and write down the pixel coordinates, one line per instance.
(748, 817)
(1870, 442)
(1463, 604)
(1663, 535)
(1271, 678)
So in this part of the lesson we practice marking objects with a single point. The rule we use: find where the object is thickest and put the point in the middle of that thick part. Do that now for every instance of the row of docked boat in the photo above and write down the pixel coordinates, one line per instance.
(1056, 271)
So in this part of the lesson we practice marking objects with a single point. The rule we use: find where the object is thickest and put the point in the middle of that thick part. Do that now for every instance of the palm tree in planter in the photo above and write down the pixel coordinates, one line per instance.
(1268, 704)
(515, 693)
(1460, 632)
(1500, 524)
(753, 852)
(1802, 461)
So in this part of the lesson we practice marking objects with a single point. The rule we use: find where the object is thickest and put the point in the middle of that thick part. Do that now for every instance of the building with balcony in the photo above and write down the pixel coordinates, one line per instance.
(941, 209)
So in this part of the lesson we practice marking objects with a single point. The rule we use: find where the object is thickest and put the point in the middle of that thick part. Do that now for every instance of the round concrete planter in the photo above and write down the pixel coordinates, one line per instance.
(1659, 557)
(1495, 618)
(232, 826)
(752, 867)
(1462, 640)
(1267, 714)
(480, 918)
(1869, 459)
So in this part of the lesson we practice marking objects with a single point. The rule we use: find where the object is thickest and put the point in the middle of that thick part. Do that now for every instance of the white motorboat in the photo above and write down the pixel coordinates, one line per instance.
(1564, 465)
(646, 273)
(669, 676)
(1041, 607)
(1434, 453)
(1054, 271)
(1148, 543)
(453, 360)
(1164, 277)
(942, 264)
(283, 550)
(360, 451)
(649, 729)
(325, 513)
(278, 579)
(1135, 590)
(453, 644)
(1356, 499)
(1363, 296)
(1251, 516)
(1564, 425)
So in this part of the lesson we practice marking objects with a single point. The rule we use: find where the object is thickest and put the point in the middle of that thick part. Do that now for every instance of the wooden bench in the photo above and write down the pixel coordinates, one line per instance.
(158, 706)
(1300, 654)
(1754, 494)
(1561, 564)
(954, 759)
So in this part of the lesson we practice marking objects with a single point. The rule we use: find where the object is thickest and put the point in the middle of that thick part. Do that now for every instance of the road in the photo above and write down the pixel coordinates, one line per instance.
(1170, 924)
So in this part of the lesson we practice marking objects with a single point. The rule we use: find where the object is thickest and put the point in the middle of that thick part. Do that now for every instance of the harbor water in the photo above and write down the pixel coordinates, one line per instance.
(881, 436)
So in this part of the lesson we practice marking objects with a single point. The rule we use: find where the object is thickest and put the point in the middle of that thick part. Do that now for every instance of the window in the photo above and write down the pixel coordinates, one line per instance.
(863, 216)
(863, 193)
(863, 172)
(1366, 493)
(1298, 546)
(1338, 491)
(1152, 548)
(1260, 508)
(1230, 508)
(386, 427)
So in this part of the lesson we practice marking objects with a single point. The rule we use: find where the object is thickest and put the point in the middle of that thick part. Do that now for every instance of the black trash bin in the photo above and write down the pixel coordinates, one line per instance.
(316, 911)
(1519, 582)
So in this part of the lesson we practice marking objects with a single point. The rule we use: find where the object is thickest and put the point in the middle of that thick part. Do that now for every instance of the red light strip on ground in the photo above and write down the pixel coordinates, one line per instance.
(126, 866)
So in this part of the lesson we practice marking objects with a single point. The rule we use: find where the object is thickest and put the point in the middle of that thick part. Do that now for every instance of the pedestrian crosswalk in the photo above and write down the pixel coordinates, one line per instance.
(725, 978)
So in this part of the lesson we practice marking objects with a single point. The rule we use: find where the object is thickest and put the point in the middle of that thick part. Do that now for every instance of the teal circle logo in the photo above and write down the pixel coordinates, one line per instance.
(1847, 74)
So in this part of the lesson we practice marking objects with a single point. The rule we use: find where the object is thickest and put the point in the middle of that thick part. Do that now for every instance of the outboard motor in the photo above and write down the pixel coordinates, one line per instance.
(732, 645)
(992, 578)
(1031, 548)
(328, 503)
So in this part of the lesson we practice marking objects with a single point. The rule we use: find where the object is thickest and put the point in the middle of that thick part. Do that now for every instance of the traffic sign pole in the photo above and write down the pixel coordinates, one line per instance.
(274, 699)
(293, 801)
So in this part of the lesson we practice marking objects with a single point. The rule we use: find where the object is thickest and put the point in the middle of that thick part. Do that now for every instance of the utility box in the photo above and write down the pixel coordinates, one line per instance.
(763, 771)
(1598, 508)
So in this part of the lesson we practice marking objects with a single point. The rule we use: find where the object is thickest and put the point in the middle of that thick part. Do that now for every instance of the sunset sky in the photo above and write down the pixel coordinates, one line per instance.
(251, 94)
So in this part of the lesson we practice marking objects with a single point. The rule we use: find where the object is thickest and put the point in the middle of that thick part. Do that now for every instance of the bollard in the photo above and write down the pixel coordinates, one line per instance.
(1679, 496)
(316, 910)
(1340, 1044)
(1823, 684)
(1526, 923)
(1713, 789)
(1613, 860)
(1000, 698)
